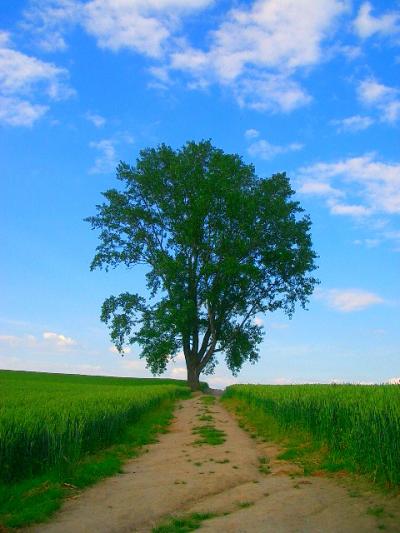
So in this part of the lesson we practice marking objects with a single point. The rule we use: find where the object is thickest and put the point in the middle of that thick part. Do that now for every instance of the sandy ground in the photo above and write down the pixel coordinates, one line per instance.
(176, 477)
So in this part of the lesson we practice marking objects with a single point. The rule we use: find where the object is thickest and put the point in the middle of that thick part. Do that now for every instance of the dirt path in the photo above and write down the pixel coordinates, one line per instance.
(177, 477)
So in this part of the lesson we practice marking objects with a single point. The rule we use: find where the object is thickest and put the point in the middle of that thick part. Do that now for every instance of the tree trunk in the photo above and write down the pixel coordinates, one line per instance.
(193, 374)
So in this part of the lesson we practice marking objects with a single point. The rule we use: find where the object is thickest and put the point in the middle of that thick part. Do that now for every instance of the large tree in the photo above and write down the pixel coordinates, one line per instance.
(220, 244)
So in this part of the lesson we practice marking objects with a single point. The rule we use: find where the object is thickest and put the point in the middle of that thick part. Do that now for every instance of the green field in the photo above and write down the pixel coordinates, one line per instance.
(60, 433)
(358, 426)
(48, 421)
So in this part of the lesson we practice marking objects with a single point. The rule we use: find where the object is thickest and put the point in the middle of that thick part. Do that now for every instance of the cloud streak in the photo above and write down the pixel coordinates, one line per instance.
(349, 300)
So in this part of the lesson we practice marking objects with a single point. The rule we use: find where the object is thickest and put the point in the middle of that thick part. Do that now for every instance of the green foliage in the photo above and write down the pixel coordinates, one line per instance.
(36, 499)
(49, 422)
(220, 244)
(358, 425)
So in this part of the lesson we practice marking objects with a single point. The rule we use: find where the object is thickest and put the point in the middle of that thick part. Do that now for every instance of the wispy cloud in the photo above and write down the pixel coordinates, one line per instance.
(107, 158)
(348, 300)
(251, 133)
(24, 80)
(257, 49)
(143, 27)
(385, 99)
(96, 119)
(265, 150)
(58, 339)
(49, 340)
(354, 123)
(366, 24)
(374, 184)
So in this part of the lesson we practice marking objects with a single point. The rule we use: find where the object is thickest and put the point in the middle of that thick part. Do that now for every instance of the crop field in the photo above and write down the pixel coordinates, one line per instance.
(48, 421)
(360, 425)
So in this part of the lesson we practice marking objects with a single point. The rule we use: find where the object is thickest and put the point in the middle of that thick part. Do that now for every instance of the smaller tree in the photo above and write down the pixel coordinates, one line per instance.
(220, 244)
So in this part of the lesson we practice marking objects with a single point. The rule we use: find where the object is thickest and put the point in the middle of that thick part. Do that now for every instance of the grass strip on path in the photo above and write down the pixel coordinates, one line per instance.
(183, 524)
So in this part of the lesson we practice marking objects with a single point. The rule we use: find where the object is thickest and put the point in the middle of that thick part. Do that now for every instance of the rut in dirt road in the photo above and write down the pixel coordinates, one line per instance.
(239, 480)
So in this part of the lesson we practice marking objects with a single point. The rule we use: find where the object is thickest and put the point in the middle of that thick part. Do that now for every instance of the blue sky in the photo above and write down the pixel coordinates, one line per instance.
(310, 88)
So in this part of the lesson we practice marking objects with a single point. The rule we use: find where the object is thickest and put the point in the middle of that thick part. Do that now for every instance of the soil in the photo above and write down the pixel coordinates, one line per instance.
(177, 477)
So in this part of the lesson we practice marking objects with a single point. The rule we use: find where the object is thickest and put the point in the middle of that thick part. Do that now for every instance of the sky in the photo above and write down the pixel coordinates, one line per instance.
(310, 88)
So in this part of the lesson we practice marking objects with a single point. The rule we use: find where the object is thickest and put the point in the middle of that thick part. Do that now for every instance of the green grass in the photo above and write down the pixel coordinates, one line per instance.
(209, 434)
(36, 499)
(333, 427)
(183, 524)
(207, 399)
(51, 421)
(245, 505)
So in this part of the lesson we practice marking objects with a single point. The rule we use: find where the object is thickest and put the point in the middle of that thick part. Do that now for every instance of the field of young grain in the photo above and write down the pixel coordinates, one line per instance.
(360, 425)
(48, 421)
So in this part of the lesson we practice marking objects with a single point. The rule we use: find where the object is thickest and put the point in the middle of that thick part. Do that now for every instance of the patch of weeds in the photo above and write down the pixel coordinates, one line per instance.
(354, 493)
(183, 524)
(205, 418)
(223, 461)
(377, 511)
(244, 505)
(207, 400)
(209, 435)
(381, 526)
(235, 467)
(290, 454)
(177, 482)
(264, 467)
(197, 463)
(256, 481)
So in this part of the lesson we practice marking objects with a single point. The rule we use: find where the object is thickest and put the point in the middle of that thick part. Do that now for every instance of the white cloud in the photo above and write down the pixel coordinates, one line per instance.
(265, 150)
(251, 133)
(96, 119)
(375, 184)
(269, 92)
(126, 350)
(49, 341)
(368, 243)
(107, 159)
(348, 300)
(370, 91)
(384, 98)
(257, 49)
(58, 339)
(394, 381)
(367, 24)
(144, 26)
(353, 210)
(353, 123)
(48, 21)
(23, 79)
(319, 188)
(19, 112)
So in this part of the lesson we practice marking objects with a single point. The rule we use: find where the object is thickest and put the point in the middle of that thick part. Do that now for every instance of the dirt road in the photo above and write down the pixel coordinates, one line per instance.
(177, 477)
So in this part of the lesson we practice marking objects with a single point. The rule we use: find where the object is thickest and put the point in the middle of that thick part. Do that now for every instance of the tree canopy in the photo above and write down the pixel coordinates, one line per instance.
(221, 245)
